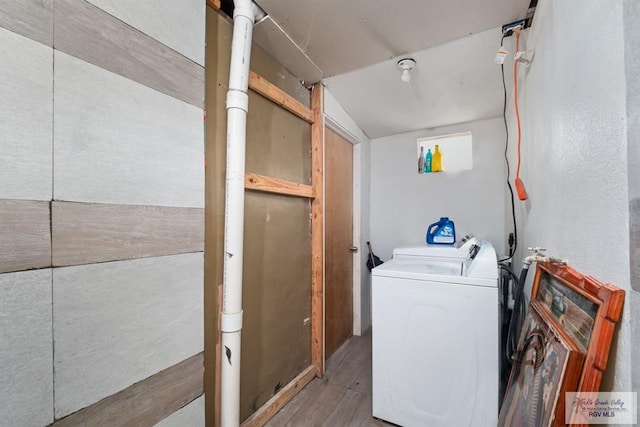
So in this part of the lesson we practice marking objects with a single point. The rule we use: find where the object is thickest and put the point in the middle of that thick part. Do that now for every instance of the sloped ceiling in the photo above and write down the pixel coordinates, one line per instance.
(353, 46)
(454, 82)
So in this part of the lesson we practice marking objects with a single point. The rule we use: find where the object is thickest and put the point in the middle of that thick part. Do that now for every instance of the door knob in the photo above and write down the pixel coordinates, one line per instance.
(353, 249)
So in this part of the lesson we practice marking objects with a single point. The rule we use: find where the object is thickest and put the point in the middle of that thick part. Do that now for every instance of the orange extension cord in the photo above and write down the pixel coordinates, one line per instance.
(522, 193)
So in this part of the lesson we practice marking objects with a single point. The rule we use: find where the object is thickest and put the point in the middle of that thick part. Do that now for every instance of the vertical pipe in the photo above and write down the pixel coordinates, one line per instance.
(231, 317)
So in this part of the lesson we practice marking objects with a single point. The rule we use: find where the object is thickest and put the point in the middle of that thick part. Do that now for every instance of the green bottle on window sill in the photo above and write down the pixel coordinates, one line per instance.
(427, 161)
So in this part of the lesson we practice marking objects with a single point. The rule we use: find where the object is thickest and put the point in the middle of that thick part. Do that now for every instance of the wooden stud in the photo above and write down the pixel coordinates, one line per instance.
(277, 402)
(317, 230)
(269, 184)
(262, 86)
(215, 4)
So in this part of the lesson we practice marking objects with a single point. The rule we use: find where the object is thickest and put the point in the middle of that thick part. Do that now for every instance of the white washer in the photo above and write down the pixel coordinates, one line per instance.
(458, 251)
(435, 339)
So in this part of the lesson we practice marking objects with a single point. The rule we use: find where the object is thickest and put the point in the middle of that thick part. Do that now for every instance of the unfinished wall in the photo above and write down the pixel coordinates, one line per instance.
(575, 163)
(404, 203)
(276, 342)
(101, 211)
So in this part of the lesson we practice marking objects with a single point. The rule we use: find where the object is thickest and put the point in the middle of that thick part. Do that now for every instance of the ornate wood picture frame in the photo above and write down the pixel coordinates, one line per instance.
(574, 318)
(586, 309)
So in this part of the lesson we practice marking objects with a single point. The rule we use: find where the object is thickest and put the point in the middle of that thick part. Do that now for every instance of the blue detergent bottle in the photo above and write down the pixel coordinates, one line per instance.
(442, 232)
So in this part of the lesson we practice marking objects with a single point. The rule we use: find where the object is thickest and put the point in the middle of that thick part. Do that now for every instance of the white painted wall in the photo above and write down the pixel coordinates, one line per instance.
(26, 106)
(26, 353)
(575, 149)
(117, 323)
(115, 139)
(337, 117)
(632, 59)
(404, 203)
(191, 415)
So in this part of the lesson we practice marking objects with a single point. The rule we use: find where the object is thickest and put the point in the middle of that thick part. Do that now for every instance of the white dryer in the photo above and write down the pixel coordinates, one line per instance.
(435, 339)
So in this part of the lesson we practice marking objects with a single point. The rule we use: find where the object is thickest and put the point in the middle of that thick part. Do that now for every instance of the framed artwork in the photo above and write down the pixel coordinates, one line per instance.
(584, 308)
(547, 364)
(564, 345)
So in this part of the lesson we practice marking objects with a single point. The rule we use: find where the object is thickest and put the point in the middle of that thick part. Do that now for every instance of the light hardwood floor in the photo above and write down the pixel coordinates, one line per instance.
(341, 398)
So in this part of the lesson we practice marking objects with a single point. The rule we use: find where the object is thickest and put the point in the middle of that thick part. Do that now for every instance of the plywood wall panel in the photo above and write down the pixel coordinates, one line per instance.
(276, 339)
(117, 141)
(30, 18)
(218, 57)
(276, 351)
(26, 109)
(25, 240)
(26, 359)
(179, 25)
(87, 233)
(117, 323)
(89, 33)
(264, 65)
(278, 142)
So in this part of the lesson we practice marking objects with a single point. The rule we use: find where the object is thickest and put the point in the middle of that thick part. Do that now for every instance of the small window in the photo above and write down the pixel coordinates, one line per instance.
(447, 153)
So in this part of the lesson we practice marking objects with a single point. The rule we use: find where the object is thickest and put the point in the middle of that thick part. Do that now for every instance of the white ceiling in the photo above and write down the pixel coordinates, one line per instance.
(353, 45)
(455, 82)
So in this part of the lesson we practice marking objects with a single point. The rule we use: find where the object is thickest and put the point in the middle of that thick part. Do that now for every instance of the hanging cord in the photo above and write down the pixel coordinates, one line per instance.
(506, 159)
(515, 100)
(522, 193)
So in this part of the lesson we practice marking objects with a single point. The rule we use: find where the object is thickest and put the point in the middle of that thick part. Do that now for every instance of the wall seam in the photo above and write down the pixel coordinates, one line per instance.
(53, 123)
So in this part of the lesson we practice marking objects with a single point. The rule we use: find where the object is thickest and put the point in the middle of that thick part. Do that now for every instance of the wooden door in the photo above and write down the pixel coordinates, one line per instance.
(338, 241)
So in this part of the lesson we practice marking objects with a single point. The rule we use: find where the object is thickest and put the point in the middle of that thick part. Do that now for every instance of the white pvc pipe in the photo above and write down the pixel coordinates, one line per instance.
(231, 317)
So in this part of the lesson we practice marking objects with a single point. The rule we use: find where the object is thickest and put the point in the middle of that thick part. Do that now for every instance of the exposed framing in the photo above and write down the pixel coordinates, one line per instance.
(269, 184)
(215, 4)
(317, 230)
(314, 192)
(273, 405)
(273, 93)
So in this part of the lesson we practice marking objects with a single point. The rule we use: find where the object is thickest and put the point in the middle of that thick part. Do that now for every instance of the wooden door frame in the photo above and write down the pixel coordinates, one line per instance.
(336, 127)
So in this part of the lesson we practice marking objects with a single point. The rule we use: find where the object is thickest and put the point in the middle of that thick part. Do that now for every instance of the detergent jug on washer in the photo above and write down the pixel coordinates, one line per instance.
(442, 232)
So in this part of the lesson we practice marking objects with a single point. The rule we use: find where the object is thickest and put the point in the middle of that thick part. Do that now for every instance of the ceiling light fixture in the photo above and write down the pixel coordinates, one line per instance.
(406, 65)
